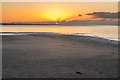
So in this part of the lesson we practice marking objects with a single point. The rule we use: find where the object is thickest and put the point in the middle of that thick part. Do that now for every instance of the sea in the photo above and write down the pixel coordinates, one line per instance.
(104, 31)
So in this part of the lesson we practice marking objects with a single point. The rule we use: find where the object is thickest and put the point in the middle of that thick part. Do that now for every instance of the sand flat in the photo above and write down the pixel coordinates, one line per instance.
(58, 56)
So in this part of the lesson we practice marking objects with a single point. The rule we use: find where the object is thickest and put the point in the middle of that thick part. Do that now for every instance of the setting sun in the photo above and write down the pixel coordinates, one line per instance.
(55, 14)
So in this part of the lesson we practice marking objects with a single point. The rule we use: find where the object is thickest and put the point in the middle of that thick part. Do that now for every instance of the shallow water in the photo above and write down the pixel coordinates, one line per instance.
(105, 31)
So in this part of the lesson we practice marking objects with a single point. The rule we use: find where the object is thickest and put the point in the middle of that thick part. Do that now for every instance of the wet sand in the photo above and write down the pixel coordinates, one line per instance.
(58, 56)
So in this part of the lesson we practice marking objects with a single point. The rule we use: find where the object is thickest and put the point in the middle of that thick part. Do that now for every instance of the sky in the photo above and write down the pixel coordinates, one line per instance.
(58, 11)
(60, 0)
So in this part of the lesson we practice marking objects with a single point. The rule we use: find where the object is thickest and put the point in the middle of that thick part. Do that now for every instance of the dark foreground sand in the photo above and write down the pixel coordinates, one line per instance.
(58, 56)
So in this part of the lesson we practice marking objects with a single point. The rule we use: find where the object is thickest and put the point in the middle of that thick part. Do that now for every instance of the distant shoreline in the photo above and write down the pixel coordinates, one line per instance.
(26, 24)
(60, 24)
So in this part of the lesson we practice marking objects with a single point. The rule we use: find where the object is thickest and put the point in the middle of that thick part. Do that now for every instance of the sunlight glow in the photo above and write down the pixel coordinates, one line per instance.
(55, 14)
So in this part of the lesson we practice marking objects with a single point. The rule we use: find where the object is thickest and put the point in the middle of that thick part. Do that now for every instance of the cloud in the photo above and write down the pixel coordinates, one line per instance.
(89, 22)
(104, 15)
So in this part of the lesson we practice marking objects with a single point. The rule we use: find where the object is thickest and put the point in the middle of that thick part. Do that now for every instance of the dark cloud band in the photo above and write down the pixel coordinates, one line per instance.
(104, 14)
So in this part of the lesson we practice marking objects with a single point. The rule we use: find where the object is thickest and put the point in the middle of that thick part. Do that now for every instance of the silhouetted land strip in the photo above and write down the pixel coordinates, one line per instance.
(66, 24)
(26, 24)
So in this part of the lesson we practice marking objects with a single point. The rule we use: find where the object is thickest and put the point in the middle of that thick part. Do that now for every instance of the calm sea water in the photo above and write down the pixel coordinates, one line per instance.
(105, 31)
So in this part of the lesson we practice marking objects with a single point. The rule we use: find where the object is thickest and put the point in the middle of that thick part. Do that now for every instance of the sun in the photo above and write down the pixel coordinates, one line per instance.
(55, 14)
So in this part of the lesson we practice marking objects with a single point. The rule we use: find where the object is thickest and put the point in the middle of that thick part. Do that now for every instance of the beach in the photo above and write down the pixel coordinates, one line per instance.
(58, 56)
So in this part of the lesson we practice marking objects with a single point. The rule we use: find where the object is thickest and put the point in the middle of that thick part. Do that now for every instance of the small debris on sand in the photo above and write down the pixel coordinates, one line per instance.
(78, 73)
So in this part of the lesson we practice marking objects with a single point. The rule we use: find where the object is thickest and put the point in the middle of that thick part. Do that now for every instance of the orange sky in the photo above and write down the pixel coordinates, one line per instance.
(52, 11)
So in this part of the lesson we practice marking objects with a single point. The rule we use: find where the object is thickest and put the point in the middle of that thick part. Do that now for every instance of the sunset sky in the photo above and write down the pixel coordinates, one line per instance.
(54, 11)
